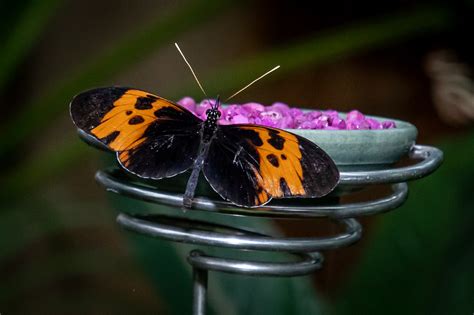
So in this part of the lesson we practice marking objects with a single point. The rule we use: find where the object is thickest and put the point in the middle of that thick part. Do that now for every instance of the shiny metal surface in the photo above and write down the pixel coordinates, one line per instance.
(308, 263)
(199, 290)
(123, 187)
(430, 157)
(212, 235)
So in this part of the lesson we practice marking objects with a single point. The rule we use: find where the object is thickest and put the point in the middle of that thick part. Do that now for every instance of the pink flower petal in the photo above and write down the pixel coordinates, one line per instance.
(280, 115)
(240, 119)
(355, 115)
(389, 124)
(187, 102)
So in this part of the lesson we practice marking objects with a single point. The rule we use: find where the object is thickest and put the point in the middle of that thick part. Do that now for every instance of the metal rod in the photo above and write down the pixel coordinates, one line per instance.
(431, 159)
(199, 288)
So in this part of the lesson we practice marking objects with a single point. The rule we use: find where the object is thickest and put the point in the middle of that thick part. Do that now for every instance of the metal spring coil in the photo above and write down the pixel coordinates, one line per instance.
(306, 250)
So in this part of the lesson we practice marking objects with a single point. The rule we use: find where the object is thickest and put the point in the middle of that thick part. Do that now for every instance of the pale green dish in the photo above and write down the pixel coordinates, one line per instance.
(364, 149)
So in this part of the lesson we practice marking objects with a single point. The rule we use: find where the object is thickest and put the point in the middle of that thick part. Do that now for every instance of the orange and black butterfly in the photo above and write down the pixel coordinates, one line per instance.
(245, 164)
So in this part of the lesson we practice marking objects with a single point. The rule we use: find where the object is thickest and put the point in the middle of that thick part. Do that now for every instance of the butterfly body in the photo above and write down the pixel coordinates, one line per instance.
(210, 124)
(245, 164)
(208, 130)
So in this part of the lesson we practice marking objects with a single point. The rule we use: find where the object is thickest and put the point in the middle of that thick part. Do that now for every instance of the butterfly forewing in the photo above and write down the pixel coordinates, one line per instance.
(153, 137)
(249, 165)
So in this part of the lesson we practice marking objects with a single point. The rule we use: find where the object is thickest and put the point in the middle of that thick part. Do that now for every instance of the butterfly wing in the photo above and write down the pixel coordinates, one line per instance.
(248, 165)
(153, 137)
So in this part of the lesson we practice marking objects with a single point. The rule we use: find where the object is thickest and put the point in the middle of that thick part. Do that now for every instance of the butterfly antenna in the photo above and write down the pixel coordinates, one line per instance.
(191, 68)
(217, 103)
(245, 87)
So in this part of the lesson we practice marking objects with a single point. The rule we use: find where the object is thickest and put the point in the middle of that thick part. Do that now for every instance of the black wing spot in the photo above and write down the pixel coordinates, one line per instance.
(135, 120)
(168, 112)
(253, 136)
(111, 137)
(284, 187)
(128, 112)
(273, 159)
(283, 157)
(88, 108)
(144, 103)
(275, 140)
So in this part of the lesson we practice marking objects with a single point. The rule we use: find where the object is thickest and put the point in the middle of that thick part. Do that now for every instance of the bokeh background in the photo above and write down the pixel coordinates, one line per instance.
(60, 249)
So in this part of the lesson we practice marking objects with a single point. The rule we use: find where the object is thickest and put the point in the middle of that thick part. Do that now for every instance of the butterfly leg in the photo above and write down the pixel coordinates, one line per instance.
(194, 178)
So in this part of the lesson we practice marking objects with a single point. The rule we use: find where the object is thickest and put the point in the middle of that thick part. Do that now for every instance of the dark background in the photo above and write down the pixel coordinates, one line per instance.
(60, 249)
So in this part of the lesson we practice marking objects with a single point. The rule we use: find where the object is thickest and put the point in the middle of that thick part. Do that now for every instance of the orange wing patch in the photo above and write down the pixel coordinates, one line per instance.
(280, 172)
(124, 157)
(124, 125)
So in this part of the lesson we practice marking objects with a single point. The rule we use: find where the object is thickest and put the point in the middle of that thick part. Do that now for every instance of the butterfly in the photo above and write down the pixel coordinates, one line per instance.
(245, 164)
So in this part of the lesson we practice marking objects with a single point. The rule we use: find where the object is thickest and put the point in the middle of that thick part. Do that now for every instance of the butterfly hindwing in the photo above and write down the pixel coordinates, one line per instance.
(168, 149)
(249, 165)
(153, 137)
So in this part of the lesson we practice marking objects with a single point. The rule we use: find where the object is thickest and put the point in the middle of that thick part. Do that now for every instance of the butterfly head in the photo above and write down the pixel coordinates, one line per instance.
(213, 114)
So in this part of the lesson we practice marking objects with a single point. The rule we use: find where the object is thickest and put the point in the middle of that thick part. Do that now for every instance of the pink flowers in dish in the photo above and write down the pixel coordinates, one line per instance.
(280, 115)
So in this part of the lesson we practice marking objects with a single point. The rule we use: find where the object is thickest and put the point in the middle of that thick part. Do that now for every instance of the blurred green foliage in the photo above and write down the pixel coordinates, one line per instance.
(419, 260)
(19, 39)
(104, 65)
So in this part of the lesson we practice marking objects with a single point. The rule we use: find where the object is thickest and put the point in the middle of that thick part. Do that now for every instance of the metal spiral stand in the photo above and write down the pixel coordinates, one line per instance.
(306, 250)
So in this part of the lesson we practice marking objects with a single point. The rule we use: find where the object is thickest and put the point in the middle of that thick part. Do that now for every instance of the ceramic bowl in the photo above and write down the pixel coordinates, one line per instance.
(364, 149)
